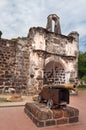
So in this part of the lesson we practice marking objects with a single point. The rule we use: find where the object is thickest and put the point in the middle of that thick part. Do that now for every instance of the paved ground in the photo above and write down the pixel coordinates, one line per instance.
(14, 118)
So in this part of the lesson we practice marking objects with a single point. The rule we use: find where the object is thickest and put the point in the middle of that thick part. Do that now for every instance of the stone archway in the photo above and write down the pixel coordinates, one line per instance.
(54, 73)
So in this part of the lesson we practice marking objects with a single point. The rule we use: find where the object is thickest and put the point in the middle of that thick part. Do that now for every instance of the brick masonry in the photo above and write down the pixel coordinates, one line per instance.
(44, 117)
(14, 63)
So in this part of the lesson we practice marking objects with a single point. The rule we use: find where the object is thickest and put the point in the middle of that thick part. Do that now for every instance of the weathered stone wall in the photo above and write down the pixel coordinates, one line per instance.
(22, 63)
(7, 62)
(14, 63)
(49, 47)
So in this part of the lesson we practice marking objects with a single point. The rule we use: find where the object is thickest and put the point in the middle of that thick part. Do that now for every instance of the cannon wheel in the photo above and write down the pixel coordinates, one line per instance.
(50, 103)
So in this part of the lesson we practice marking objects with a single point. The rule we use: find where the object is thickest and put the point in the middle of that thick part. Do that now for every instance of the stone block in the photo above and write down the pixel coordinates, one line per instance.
(57, 114)
(69, 112)
(50, 123)
(73, 119)
(38, 123)
(62, 121)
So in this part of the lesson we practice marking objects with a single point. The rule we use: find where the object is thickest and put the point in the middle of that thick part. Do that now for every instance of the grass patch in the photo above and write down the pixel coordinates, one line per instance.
(3, 100)
(81, 88)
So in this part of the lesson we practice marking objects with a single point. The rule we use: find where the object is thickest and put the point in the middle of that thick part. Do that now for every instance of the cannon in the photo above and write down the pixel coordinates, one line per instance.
(55, 95)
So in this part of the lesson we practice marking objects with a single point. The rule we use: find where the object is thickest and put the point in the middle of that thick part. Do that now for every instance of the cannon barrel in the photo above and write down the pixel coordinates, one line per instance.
(67, 86)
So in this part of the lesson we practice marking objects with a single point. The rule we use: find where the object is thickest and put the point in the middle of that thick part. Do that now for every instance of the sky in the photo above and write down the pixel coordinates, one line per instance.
(18, 16)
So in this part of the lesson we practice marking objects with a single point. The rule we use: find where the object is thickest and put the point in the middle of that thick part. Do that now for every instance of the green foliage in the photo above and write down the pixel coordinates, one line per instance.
(82, 66)
(0, 34)
(84, 78)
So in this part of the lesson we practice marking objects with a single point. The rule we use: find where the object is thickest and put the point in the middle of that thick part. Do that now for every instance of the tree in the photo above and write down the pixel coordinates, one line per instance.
(0, 34)
(82, 65)
(84, 78)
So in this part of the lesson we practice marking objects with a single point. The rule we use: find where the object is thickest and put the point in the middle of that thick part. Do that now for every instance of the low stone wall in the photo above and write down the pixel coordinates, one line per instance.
(44, 117)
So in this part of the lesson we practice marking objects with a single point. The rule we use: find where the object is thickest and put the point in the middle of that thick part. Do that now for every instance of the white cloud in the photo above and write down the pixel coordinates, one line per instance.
(17, 16)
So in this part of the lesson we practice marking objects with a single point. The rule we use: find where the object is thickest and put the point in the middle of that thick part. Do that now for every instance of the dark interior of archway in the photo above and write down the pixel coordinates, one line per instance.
(54, 73)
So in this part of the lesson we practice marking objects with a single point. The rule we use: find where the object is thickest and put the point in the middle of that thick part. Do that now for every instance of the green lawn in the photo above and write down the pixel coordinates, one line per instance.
(82, 88)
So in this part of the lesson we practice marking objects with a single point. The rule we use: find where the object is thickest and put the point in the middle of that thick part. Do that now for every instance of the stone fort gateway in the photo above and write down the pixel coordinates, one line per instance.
(44, 56)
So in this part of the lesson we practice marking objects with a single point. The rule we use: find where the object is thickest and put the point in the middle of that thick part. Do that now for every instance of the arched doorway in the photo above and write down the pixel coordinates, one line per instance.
(54, 72)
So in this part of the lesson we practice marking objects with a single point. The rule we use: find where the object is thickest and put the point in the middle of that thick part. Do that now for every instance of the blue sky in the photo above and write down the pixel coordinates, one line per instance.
(17, 16)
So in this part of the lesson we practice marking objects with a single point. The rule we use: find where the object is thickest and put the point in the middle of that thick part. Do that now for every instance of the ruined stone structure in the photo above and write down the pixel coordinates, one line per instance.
(44, 56)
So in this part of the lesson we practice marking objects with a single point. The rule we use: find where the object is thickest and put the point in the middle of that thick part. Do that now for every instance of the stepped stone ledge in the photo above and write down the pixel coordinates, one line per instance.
(44, 117)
